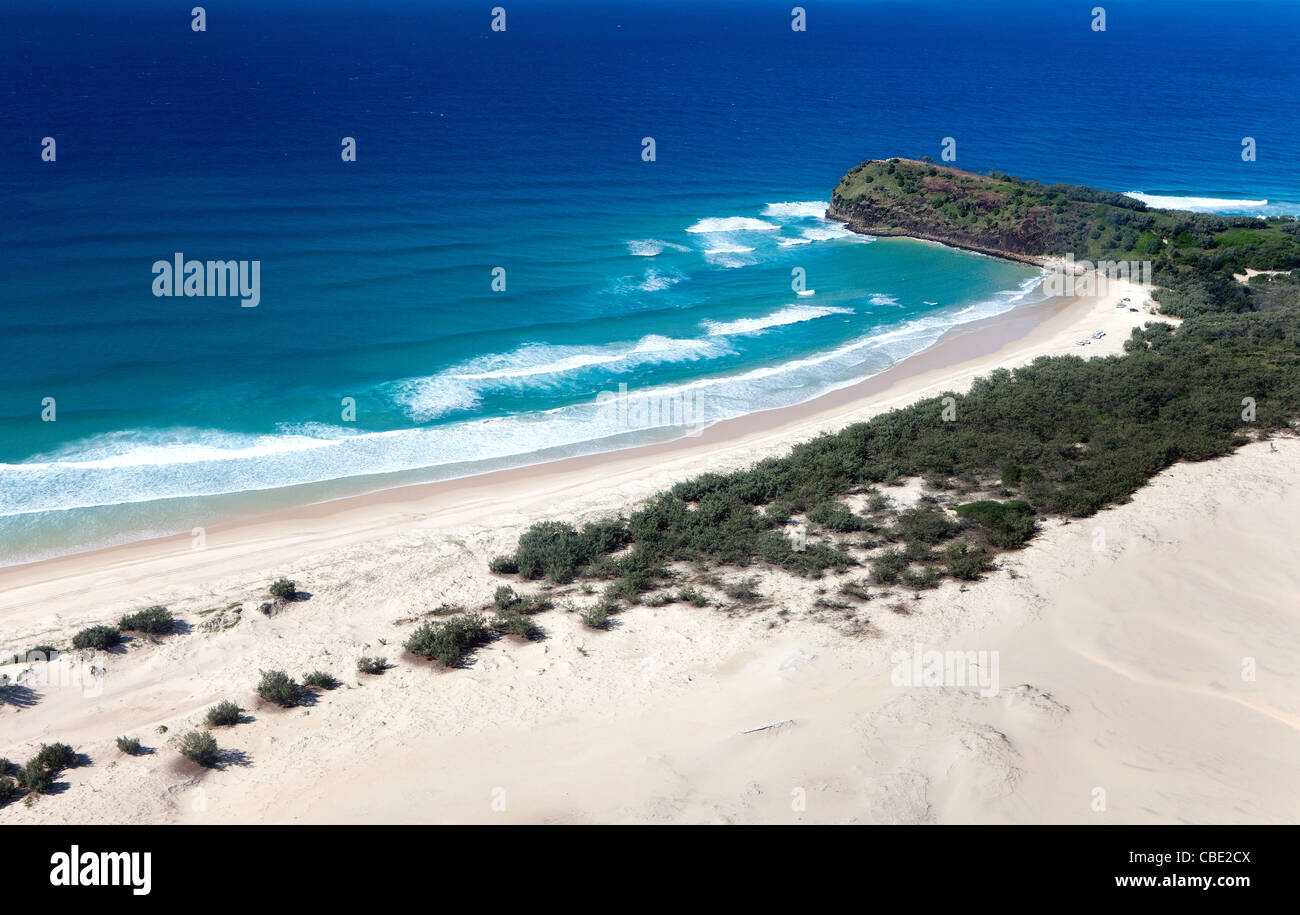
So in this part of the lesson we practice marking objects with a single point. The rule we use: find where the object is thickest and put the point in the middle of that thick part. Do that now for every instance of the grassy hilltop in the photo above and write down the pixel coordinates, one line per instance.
(1194, 255)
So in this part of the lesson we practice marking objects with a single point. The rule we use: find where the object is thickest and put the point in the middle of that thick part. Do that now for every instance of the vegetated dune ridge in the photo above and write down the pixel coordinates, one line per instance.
(1143, 654)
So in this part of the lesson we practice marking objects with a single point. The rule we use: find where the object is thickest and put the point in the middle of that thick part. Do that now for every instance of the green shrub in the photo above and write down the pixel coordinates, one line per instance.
(596, 616)
(745, 590)
(518, 625)
(886, 567)
(278, 687)
(835, 516)
(284, 589)
(855, 589)
(925, 525)
(35, 777)
(693, 596)
(223, 715)
(97, 637)
(368, 665)
(966, 564)
(503, 565)
(56, 756)
(534, 603)
(558, 551)
(925, 578)
(7, 789)
(319, 680)
(199, 747)
(1007, 525)
(129, 745)
(451, 642)
(505, 597)
(152, 620)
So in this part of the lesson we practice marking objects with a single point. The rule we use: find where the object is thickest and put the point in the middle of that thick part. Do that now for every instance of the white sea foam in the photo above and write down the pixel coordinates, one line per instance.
(1197, 204)
(829, 232)
(882, 299)
(731, 224)
(726, 254)
(655, 280)
(793, 210)
(650, 247)
(791, 314)
(790, 242)
(538, 365)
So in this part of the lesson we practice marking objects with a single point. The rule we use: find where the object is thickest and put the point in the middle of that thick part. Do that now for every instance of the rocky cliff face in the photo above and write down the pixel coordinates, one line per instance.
(920, 200)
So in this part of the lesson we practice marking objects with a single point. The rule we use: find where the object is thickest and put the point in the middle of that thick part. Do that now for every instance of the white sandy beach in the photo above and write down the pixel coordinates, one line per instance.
(1120, 668)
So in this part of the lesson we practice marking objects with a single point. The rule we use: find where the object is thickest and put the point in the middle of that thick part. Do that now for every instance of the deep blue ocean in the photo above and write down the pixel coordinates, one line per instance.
(380, 353)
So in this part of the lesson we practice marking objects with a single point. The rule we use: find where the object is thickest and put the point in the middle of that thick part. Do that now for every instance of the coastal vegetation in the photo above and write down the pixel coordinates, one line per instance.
(451, 642)
(224, 714)
(199, 747)
(283, 589)
(151, 620)
(318, 679)
(96, 637)
(278, 687)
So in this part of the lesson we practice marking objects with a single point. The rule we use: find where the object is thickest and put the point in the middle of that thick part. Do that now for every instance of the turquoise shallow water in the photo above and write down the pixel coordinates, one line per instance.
(477, 151)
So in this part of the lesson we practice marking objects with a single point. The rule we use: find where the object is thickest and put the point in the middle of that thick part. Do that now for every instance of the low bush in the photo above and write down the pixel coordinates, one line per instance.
(369, 665)
(557, 550)
(223, 715)
(503, 565)
(855, 589)
(278, 687)
(151, 620)
(56, 756)
(966, 564)
(451, 642)
(96, 637)
(921, 580)
(596, 616)
(35, 777)
(518, 625)
(693, 596)
(505, 597)
(835, 516)
(1007, 525)
(199, 747)
(318, 679)
(886, 567)
(129, 745)
(534, 603)
(7, 789)
(924, 525)
(284, 589)
(745, 590)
